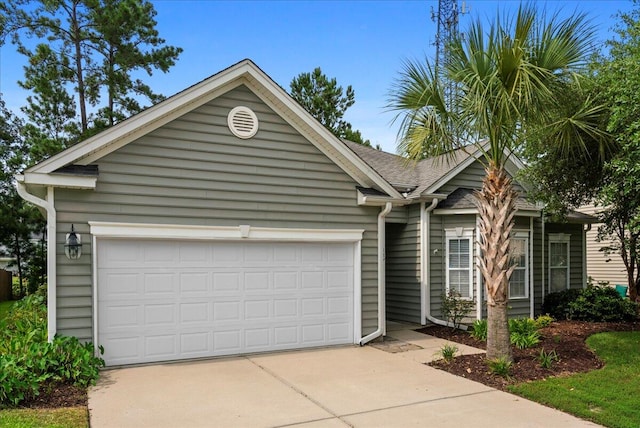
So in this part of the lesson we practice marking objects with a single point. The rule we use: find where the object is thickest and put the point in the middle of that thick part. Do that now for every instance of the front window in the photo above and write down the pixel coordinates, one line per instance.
(459, 265)
(558, 262)
(519, 256)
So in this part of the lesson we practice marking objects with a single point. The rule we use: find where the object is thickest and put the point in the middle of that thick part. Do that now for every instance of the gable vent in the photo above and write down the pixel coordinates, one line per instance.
(243, 122)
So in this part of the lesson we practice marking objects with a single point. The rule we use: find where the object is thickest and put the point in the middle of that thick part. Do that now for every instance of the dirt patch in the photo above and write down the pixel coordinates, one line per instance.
(566, 338)
(55, 394)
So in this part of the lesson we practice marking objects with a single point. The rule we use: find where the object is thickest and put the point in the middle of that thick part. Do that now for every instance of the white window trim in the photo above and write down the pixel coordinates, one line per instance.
(460, 233)
(555, 238)
(525, 236)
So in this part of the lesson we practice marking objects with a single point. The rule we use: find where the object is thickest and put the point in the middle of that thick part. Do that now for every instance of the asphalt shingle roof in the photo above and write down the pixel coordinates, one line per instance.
(407, 175)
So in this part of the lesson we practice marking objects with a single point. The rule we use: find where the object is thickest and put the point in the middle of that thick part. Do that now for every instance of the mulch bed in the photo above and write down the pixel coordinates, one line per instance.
(566, 338)
(55, 394)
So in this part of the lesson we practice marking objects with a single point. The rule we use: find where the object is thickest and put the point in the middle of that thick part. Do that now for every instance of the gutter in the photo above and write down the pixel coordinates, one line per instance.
(425, 280)
(585, 230)
(382, 321)
(48, 205)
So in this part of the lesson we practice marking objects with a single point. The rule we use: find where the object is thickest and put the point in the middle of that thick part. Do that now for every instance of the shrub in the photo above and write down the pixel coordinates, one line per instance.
(522, 326)
(601, 304)
(525, 340)
(479, 330)
(455, 307)
(500, 366)
(27, 359)
(544, 321)
(557, 304)
(523, 333)
(448, 352)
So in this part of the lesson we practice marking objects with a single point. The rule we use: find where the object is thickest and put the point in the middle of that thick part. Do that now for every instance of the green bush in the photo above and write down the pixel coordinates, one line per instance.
(544, 321)
(27, 359)
(479, 330)
(455, 307)
(523, 333)
(601, 304)
(557, 304)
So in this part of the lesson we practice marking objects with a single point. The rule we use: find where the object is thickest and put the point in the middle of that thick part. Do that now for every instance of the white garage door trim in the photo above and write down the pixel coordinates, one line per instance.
(242, 233)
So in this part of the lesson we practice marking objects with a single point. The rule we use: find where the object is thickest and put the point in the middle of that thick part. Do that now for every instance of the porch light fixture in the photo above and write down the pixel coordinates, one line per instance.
(73, 245)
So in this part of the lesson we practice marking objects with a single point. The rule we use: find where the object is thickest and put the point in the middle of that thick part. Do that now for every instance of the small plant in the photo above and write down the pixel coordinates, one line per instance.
(523, 333)
(455, 307)
(546, 359)
(479, 330)
(500, 366)
(522, 326)
(544, 321)
(448, 352)
(524, 341)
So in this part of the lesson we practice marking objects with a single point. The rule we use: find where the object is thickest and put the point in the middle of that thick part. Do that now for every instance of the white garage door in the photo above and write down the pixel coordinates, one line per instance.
(162, 300)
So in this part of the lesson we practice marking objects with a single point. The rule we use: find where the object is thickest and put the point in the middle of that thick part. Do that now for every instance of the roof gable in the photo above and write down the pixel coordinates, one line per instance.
(242, 73)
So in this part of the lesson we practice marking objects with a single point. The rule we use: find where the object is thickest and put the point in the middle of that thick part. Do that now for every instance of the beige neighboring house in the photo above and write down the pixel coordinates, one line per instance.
(601, 267)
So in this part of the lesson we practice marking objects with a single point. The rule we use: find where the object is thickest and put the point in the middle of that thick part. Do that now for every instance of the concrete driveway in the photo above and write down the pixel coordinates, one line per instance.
(384, 386)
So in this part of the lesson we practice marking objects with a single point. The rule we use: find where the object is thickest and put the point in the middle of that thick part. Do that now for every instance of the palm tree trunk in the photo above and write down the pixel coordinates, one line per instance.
(496, 204)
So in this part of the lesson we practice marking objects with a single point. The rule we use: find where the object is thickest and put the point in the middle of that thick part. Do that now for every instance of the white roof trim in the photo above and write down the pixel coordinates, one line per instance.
(244, 72)
(59, 180)
(233, 233)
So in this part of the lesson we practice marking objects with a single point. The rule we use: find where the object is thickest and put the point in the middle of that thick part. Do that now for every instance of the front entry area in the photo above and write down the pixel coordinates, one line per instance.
(171, 299)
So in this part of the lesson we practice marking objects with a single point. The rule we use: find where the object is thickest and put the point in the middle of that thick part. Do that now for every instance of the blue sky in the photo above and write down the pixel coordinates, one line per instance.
(361, 43)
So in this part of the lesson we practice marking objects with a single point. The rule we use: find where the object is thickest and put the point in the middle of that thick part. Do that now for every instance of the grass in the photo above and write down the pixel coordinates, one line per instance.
(5, 307)
(608, 396)
(68, 417)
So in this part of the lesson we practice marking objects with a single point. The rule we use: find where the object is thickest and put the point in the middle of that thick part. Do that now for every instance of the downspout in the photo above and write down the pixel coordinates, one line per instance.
(543, 260)
(382, 321)
(48, 205)
(585, 230)
(425, 224)
(530, 261)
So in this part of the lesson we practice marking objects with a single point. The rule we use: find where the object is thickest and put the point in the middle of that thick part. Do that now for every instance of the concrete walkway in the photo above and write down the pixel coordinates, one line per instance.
(334, 387)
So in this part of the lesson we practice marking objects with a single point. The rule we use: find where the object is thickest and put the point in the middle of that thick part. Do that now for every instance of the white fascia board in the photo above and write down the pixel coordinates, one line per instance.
(276, 98)
(226, 233)
(453, 211)
(378, 201)
(94, 148)
(59, 180)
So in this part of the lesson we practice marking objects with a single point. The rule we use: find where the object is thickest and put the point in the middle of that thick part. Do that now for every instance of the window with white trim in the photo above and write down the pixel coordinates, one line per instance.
(558, 262)
(459, 261)
(519, 257)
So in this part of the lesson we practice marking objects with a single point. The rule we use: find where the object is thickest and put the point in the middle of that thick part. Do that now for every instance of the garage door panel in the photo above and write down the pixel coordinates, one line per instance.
(197, 299)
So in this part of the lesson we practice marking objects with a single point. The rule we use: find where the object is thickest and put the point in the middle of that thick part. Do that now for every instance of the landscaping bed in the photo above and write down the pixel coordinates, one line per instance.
(57, 394)
(566, 338)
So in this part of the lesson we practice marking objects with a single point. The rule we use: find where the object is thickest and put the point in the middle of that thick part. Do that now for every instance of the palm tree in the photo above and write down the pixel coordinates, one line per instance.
(513, 79)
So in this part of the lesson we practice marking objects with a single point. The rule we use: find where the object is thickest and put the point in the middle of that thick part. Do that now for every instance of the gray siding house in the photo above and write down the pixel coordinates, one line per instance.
(226, 220)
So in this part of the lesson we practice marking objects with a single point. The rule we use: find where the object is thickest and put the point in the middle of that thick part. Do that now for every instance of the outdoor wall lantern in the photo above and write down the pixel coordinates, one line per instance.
(73, 245)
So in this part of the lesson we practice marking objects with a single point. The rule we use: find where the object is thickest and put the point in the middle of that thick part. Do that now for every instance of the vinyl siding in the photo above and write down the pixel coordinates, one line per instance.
(599, 266)
(193, 171)
(438, 259)
(403, 268)
(575, 252)
(470, 178)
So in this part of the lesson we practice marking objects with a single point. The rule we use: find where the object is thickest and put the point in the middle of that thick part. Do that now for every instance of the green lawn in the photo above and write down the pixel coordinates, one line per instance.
(5, 307)
(608, 396)
(69, 417)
